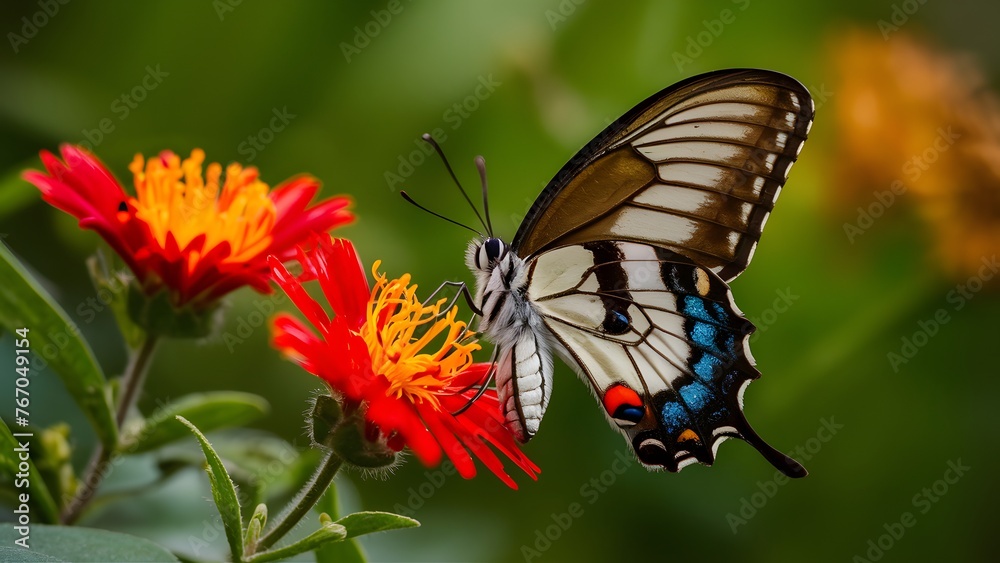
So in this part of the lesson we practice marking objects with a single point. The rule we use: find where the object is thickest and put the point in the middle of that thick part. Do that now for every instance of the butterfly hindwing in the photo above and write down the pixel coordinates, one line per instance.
(661, 343)
(695, 169)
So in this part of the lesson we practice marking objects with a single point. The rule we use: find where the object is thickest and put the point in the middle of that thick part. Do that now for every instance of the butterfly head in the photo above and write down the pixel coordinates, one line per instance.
(486, 254)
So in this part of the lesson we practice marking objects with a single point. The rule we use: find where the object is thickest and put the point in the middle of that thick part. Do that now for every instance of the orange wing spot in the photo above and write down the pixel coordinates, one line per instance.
(688, 434)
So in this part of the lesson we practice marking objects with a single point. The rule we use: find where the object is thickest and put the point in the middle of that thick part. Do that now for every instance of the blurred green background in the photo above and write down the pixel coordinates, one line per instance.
(356, 93)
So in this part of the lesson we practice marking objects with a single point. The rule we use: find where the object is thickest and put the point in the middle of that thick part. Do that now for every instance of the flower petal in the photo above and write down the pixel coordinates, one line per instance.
(194, 235)
(452, 446)
(348, 291)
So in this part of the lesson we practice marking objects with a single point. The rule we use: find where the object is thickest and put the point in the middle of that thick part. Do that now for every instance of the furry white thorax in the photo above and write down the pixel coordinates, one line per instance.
(524, 369)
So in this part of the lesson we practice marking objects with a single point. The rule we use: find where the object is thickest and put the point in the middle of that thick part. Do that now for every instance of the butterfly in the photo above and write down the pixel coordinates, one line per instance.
(622, 267)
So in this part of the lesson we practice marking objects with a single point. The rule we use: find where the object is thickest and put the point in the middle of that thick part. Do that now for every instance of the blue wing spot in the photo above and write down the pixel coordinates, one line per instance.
(675, 417)
(704, 335)
(696, 395)
(695, 308)
(719, 311)
(731, 345)
(730, 383)
(706, 367)
(720, 414)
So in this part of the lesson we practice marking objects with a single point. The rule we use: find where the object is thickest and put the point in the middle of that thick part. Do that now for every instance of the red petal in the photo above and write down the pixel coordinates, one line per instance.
(305, 303)
(82, 187)
(453, 448)
(398, 415)
(294, 222)
(472, 375)
(343, 279)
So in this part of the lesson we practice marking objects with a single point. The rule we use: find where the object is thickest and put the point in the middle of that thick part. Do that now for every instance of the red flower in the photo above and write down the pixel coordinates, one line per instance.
(197, 238)
(369, 353)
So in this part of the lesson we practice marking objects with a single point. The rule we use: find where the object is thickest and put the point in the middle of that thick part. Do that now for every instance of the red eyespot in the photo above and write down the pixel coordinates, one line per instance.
(623, 404)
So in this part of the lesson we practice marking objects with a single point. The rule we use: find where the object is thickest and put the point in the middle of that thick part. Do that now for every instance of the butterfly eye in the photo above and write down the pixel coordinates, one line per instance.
(489, 252)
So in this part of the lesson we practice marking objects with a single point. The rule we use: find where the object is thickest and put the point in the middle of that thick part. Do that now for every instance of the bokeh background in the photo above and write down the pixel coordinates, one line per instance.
(906, 95)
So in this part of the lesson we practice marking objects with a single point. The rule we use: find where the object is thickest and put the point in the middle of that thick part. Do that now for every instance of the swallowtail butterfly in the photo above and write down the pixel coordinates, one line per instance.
(622, 267)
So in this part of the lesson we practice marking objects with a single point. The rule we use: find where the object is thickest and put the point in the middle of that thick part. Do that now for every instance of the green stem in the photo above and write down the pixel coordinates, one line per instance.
(135, 376)
(303, 501)
(132, 380)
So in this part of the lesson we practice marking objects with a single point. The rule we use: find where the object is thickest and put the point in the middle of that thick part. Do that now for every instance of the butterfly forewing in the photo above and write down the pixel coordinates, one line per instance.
(695, 169)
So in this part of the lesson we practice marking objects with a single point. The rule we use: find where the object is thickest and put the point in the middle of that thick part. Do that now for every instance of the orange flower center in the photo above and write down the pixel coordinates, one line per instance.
(173, 198)
(390, 331)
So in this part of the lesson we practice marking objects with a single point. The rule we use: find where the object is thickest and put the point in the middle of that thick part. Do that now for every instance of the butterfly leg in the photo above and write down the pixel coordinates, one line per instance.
(483, 385)
(463, 291)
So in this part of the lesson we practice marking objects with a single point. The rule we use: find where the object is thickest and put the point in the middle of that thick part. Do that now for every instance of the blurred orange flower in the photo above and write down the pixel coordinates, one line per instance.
(918, 124)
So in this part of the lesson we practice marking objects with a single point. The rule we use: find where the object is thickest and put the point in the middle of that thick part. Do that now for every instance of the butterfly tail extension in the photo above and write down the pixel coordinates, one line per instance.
(780, 461)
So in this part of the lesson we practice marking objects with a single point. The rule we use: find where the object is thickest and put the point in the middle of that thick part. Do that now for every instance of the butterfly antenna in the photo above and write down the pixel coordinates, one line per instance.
(407, 197)
(481, 166)
(430, 140)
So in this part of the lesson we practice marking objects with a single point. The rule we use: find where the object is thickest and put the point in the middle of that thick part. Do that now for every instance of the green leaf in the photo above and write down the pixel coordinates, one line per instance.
(256, 525)
(327, 533)
(64, 543)
(207, 411)
(361, 523)
(24, 304)
(223, 492)
(40, 497)
(347, 551)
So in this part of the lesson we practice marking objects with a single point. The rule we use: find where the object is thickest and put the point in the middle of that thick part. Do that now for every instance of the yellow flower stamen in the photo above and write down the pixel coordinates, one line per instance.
(172, 197)
(393, 317)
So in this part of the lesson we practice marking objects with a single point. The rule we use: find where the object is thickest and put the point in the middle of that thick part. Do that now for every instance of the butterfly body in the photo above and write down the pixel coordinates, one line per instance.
(622, 267)
(524, 368)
